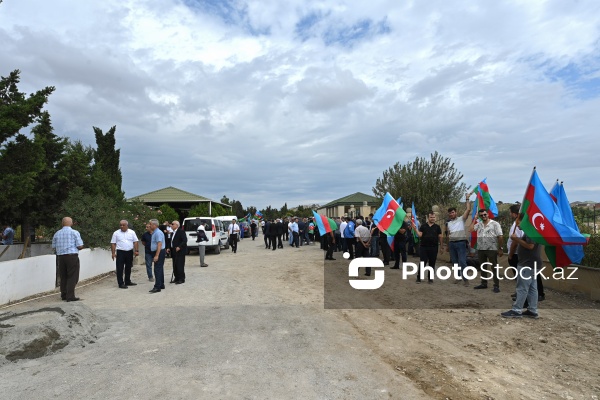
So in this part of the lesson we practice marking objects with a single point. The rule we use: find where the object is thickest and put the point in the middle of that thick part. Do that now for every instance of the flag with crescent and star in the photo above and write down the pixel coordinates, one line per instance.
(563, 256)
(542, 221)
(390, 216)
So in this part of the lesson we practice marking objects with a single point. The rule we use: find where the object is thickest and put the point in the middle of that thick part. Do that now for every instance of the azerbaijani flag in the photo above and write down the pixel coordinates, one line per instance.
(543, 221)
(483, 201)
(563, 256)
(246, 218)
(415, 221)
(390, 216)
(324, 224)
(258, 214)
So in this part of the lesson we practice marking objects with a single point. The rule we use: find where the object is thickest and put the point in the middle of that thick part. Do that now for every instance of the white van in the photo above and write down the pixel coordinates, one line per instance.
(217, 235)
(226, 220)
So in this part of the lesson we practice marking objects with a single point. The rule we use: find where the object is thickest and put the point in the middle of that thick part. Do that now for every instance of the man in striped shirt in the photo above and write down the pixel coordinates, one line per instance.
(67, 243)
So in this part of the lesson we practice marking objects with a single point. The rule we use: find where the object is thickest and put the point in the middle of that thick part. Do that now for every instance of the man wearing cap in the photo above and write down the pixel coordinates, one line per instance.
(234, 231)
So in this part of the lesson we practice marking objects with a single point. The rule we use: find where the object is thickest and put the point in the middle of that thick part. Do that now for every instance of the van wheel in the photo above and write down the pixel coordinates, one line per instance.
(218, 249)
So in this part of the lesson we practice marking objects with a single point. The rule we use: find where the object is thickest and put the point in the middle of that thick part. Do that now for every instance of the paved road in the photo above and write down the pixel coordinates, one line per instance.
(250, 326)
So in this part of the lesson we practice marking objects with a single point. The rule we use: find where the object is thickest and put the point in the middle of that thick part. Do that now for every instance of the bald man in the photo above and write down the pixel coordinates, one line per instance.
(67, 243)
(124, 245)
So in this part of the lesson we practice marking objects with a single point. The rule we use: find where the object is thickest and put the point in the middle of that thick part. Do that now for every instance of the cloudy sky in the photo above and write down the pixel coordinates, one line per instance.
(307, 101)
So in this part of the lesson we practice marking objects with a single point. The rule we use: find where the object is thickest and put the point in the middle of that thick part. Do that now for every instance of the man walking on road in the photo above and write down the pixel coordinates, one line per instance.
(234, 231)
(67, 243)
(124, 245)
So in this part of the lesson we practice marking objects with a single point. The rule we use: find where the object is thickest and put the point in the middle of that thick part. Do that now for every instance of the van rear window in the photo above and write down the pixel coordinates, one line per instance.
(194, 224)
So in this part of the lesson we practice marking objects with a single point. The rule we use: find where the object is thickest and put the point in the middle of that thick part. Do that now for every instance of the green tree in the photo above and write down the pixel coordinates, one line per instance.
(225, 200)
(95, 216)
(218, 210)
(426, 182)
(47, 196)
(21, 161)
(199, 210)
(75, 167)
(106, 172)
(16, 109)
(284, 210)
(168, 213)
(138, 214)
(252, 210)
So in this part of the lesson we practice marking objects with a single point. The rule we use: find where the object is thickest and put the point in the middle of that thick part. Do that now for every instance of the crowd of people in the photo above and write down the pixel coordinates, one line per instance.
(359, 237)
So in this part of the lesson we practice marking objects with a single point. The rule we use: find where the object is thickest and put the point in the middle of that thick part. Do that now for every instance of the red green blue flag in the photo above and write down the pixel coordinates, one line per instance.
(563, 256)
(543, 221)
(390, 216)
(484, 201)
(324, 224)
(258, 214)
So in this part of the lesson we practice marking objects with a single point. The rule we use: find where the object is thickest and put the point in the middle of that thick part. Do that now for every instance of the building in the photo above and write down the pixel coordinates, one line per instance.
(180, 200)
(351, 206)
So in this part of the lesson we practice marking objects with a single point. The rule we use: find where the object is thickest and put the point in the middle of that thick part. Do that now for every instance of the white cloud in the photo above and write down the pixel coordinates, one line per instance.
(280, 112)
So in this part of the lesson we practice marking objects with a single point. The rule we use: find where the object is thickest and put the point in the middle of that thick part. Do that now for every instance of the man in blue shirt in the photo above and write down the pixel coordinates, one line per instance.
(148, 255)
(157, 246)
(8, 235)
(67, 243)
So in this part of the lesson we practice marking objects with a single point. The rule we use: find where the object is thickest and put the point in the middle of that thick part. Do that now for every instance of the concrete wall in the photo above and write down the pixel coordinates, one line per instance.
(588, 282)
(14, 251)
(23, 278)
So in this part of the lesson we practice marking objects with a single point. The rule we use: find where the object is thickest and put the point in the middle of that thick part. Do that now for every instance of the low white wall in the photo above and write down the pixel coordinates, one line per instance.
(34, 250)
(30, 276)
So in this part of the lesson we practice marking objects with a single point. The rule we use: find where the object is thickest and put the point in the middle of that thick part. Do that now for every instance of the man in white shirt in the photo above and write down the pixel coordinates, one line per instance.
(363, 242)
(234, 231)
(124, 244)
(342, 228)
(457, 244)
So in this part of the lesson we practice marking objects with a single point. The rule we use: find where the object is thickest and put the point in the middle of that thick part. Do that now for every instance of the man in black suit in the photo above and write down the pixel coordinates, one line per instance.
(280, 229)
(266, 234)
(272, 231)
(178, 251)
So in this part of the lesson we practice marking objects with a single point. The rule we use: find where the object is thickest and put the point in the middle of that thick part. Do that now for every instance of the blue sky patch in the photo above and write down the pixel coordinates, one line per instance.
(231, 12)
(348, 35)
(583, 80)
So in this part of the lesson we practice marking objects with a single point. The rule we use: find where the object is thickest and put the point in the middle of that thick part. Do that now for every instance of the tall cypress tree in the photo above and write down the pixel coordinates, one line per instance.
(106, 172)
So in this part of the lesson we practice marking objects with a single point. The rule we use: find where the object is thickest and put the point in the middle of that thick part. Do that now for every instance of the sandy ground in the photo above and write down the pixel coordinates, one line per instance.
(253, 325)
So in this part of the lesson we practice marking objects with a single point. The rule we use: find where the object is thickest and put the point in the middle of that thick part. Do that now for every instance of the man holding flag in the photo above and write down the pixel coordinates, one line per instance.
(457, 238)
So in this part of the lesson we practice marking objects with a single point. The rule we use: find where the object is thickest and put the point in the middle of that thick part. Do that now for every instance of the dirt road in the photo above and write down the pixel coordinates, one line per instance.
(253, 325)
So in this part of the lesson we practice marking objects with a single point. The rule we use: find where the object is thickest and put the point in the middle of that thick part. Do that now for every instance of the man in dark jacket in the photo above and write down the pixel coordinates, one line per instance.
(272, 232)
(266, 234)
(280, 229)
(178, 251)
